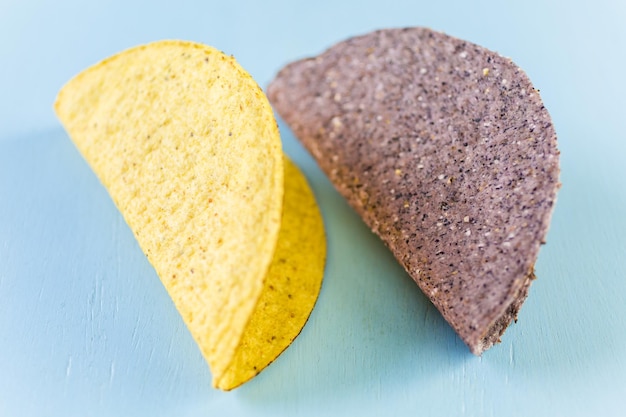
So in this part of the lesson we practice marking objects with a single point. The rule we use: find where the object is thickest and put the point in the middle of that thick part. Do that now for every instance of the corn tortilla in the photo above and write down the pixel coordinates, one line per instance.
(187, 146)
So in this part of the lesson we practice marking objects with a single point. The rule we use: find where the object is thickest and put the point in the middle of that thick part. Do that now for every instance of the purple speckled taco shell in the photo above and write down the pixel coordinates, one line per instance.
(446, 151)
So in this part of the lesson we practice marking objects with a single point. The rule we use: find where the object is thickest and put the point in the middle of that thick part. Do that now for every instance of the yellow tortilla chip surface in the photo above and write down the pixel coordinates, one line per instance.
(291, 286)
(187, 146)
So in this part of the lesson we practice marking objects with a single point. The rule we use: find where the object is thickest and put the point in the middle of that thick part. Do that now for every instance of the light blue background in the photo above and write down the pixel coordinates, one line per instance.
(86, 329)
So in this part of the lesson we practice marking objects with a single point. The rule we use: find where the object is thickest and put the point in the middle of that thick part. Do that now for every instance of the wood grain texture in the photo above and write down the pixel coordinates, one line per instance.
(86, 328)
(86, 325)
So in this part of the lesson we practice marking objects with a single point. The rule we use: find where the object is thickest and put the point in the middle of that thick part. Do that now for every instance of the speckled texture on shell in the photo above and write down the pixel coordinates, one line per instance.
(446, 151)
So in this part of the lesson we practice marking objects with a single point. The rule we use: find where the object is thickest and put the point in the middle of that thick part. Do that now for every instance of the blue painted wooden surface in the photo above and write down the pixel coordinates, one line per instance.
(86, 329)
